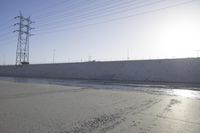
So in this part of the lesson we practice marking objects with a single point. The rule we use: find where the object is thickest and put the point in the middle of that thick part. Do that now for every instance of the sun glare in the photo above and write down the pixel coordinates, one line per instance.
(180, 37)
(184, 93)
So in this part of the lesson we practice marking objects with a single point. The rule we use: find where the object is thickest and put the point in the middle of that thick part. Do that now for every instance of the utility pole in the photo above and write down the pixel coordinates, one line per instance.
(22, 52)
(128, 54)
(197, 53)
(4, 60)
(53, 55)
(89, 58)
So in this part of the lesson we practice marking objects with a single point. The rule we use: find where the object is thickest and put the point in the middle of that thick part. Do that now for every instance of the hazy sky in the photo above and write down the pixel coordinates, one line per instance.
(102, 29)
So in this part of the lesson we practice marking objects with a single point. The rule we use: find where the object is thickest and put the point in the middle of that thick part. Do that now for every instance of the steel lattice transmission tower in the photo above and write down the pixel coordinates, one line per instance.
(22, 53)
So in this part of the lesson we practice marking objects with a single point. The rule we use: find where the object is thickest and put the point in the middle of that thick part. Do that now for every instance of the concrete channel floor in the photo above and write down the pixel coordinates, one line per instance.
(45, 108)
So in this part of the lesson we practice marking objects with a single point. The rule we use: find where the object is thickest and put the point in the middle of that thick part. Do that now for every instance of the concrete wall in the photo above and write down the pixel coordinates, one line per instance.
(168, 70)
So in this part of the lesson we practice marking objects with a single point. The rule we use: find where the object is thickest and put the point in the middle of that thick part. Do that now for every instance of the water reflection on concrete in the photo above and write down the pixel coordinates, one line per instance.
(186, 93)
(159, 89)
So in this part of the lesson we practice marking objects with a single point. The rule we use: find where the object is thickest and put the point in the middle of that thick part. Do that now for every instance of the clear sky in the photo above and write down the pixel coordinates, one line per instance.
(79, 30)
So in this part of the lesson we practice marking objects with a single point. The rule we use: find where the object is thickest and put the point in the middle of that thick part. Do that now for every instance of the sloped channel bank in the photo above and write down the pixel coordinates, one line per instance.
(185, 70)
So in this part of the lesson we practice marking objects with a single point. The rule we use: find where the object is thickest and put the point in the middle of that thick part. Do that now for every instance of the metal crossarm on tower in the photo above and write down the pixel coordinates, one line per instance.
(22, 52)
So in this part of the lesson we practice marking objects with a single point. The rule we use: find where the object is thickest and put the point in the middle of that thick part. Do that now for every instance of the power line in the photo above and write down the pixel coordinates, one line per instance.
(95, 11)
(50, 6)
(84, 6)
(54, 6)
(124, 17)
(7, 40)
(6, 22)
(5, 34)
(95, 16)
(79, 22)
(110, 20)
(5, 28)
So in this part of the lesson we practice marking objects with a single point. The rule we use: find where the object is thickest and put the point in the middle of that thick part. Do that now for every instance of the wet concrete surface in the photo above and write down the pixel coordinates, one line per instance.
(60, 106)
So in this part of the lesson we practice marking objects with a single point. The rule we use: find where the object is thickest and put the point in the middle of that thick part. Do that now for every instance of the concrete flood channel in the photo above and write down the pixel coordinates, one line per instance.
(175, 89)
(83, 106)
